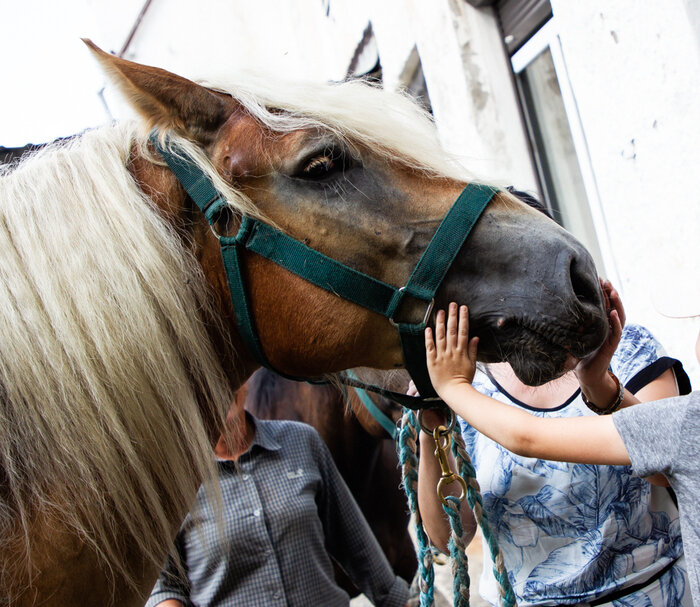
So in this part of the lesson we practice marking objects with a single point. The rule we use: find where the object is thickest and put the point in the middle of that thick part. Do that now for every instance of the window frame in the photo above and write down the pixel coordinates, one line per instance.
(548, 37)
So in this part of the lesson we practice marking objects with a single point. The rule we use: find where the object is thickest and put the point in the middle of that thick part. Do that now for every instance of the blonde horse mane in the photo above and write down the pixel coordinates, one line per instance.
(364, 115)
(105, 358)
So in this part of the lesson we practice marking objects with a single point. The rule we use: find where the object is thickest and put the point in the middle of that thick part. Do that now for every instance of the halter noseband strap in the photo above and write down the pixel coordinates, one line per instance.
(333, 276)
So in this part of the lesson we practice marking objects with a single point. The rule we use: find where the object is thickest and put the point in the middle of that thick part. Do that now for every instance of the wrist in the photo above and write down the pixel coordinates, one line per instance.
(455, 390)
(603, 397)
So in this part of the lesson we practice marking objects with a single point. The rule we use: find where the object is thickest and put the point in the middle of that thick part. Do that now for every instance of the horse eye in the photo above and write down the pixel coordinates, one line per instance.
(321, 166)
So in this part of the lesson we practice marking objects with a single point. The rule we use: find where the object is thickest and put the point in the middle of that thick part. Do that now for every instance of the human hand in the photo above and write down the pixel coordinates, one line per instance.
(451, 356)
(592, 372)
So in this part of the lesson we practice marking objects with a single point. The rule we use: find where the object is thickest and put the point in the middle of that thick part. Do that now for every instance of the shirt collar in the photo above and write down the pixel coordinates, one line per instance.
(264, 437)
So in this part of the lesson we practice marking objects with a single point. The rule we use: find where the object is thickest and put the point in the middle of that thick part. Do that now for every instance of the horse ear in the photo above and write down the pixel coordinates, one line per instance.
(165, 100)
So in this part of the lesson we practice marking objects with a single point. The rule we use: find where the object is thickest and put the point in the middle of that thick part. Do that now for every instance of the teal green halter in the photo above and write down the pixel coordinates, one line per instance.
(333, 276)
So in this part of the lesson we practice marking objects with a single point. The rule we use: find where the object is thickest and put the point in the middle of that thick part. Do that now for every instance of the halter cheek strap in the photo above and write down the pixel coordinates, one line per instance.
(431, 270)
(333, 276)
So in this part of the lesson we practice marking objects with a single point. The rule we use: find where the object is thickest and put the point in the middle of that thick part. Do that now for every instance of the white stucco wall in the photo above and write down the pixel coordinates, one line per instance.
(465, 68)
(636, 78)
(48, 82)
(282, 39)
(468, 78)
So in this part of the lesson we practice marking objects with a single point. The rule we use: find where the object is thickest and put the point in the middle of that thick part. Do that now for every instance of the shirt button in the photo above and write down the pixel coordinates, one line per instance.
(277, 595)
(256, 512)
(245, 477)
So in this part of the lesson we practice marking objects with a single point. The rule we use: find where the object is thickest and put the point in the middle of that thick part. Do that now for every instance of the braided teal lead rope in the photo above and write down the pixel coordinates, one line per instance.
(467, 472)
(458, 552)
(407, 448)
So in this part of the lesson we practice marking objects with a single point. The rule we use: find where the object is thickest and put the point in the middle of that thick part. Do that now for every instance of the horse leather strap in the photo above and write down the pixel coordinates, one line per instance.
(379, 416)
(431, 270)
(311, 265)
(197, 183)
(331, 275)
(411, 402)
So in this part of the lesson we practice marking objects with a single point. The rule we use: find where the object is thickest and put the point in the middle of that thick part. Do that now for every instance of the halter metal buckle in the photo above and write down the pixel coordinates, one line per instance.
(426, 316)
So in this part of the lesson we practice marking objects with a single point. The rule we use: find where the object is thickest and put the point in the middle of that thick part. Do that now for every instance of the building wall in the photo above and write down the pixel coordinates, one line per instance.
(460, 49)
(283, 39)
(636, 78)
(472, 92)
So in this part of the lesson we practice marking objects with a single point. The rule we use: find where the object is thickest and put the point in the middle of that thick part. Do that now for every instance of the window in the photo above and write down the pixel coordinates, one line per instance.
(558, 142)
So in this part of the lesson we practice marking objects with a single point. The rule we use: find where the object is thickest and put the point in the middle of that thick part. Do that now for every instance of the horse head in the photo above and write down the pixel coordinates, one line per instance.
(355, 173)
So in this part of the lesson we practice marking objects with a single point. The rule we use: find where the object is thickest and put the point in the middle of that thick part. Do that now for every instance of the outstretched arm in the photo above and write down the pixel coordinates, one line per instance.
(598, 385)
(451, 359)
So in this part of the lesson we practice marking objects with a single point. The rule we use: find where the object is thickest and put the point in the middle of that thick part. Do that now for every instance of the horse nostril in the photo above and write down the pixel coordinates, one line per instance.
(584, 283)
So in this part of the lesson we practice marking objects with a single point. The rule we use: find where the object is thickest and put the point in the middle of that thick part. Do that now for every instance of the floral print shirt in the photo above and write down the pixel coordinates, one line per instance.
(572, 532)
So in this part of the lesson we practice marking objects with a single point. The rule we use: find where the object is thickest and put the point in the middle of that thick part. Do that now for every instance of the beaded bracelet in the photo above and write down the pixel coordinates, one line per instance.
(615, 404)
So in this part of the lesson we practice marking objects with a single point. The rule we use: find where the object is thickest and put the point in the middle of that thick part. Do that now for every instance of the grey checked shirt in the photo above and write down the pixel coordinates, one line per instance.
(286, 512)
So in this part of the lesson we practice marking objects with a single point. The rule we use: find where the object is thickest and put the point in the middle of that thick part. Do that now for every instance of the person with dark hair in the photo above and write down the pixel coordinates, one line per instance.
(530, 200)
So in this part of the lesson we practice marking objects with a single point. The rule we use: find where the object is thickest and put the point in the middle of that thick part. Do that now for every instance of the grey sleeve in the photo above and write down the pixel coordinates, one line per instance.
(653, 433)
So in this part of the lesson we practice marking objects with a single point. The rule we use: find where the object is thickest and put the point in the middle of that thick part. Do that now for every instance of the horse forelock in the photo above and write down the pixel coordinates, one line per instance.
(365, 116)
(106, 366)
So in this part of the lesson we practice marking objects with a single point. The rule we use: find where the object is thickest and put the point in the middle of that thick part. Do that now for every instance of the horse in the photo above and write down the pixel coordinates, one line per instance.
(360, 445)
(121, 349)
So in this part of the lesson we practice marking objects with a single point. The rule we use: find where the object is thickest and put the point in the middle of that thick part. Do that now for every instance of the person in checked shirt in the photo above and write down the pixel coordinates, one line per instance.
(287, 514)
